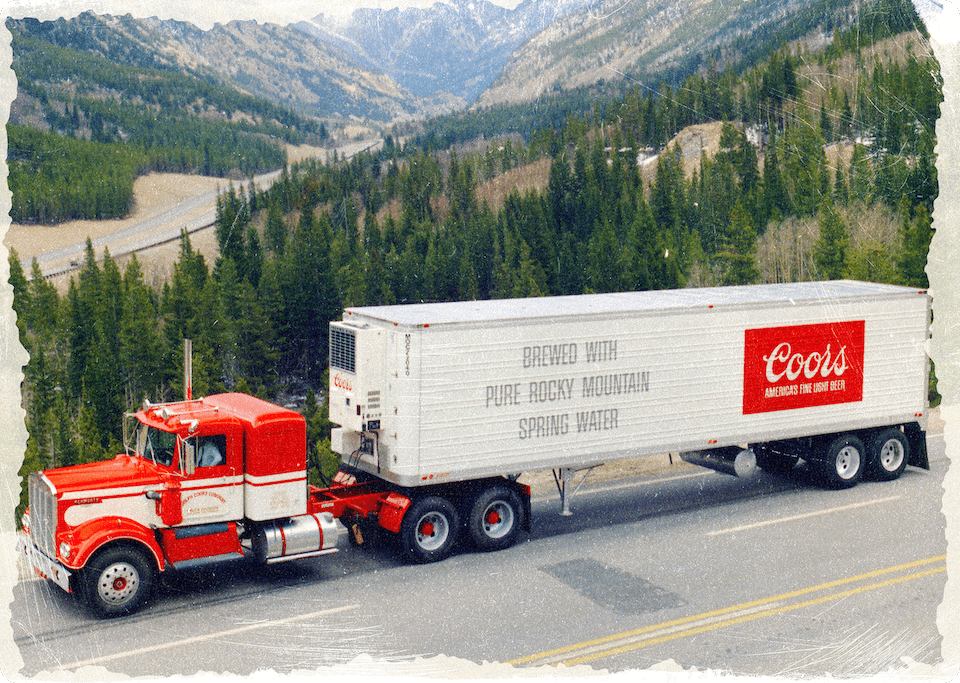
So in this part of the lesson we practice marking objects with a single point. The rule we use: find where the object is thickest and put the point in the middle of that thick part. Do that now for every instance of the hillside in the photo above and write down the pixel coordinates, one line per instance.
(646, 40)
(288, 66)
(278, 64)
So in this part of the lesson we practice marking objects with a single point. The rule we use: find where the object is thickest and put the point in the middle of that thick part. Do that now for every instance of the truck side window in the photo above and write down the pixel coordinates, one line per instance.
(211, 450)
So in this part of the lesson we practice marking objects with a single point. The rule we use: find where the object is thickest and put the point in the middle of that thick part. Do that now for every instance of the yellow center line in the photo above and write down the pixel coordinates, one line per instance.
(624, 642)
(752, 617)
(727, 611)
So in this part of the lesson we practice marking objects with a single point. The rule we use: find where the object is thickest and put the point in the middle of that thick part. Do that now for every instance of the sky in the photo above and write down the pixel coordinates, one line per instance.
(943, 24)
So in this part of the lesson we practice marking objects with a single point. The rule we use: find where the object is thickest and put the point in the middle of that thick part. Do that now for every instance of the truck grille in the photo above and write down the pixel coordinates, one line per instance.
(43, 515)
(343, 344)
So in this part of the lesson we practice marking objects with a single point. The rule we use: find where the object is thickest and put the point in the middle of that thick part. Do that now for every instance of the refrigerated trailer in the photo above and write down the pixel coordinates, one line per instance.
(449, 392)
(441, 407)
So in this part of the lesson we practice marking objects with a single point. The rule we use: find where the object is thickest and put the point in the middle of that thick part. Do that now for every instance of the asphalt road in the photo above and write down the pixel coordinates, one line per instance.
(687, 566)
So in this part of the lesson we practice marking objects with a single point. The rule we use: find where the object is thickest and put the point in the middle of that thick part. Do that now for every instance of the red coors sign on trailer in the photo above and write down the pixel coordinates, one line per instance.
(802, 365)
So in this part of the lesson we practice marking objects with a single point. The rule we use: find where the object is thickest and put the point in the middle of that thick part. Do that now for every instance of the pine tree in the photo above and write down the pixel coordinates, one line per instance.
(776, 201)
(738, 260)
(861, 175)
(309, 295)
(915, 236)
(141, 346)
(276, 230)
(22, 305)
(805, 164)
(830, 250)
(605, 267)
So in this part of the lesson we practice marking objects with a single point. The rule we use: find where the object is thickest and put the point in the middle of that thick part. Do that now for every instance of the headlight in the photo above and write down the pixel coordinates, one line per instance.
(65, 551)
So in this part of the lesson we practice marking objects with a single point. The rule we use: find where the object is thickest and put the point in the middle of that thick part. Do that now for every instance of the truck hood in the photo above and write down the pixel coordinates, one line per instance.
(122, 471)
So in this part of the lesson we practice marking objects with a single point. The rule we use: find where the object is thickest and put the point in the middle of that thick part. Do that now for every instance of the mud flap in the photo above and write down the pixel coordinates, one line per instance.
(918, 446)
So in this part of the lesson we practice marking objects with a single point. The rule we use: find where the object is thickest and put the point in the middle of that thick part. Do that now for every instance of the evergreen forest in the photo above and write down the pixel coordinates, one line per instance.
(824, 169)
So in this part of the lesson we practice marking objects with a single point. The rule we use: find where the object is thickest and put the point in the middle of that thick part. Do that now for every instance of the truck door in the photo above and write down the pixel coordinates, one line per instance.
(212, 489)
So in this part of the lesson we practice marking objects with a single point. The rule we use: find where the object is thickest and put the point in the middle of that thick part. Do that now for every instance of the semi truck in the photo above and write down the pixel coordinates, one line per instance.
(440, 408)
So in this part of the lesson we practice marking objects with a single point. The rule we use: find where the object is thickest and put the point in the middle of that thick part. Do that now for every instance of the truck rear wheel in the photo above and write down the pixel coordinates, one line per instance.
(888, 454)
(118, 581)
(841, 461)
(429, 529)
(495, 519)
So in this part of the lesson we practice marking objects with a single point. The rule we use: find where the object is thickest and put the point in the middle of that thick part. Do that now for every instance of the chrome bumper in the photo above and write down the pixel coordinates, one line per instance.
(43, 565)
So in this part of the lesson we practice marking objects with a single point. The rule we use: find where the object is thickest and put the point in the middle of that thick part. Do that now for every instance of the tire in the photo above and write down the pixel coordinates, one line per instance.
(117, 581)
(429, 529)
(495, 518)
(774, 463)
(841, 461)
(888, 453)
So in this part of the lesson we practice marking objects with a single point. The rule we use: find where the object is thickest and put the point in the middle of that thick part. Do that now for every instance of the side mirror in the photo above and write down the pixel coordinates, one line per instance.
(141, 445)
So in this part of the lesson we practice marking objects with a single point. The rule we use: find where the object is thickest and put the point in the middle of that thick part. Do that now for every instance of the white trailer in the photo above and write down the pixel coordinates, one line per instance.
(832, 372)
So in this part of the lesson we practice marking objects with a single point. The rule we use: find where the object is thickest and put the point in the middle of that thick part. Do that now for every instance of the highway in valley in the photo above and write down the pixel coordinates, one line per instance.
(680, 567)
(193, 214)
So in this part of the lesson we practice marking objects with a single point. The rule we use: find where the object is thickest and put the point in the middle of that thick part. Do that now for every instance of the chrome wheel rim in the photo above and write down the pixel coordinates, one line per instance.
(891, 455)
(848, 462)
(118, 583)
(432, 531)
(497, 519)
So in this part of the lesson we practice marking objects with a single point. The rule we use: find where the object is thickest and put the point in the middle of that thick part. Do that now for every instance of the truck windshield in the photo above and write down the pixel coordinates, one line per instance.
(159, 446)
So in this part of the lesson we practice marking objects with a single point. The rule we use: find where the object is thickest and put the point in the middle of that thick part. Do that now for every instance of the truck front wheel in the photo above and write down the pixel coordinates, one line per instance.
(428, 531)
(889, 452)
(495, 519)
(841, 462)
(117, 581)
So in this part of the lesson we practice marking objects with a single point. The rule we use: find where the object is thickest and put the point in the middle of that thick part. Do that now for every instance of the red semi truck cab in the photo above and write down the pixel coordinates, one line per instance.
(201, 481)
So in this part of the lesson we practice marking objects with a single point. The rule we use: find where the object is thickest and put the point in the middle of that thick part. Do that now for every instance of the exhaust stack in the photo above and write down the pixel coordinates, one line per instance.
(188, 369)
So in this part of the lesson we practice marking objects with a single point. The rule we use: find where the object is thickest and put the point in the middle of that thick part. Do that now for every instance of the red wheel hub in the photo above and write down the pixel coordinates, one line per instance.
(493, 517)
(119, 583)
(427, 529)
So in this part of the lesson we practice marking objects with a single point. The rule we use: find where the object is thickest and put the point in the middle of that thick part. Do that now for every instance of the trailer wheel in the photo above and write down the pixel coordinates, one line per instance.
(888, 454)
(428, 531)
(841, 462)
(495, 519)
(118, 581)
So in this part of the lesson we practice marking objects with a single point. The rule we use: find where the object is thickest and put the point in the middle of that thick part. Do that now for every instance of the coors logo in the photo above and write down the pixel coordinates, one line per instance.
(802, 365)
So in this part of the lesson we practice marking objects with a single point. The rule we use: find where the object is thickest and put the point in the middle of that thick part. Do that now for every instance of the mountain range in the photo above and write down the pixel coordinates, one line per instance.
(394, 65)
(456, 48)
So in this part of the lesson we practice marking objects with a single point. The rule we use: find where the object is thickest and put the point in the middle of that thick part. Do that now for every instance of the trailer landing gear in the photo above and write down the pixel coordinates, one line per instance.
(563, 477)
